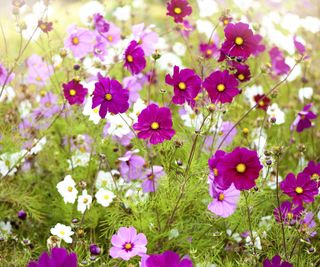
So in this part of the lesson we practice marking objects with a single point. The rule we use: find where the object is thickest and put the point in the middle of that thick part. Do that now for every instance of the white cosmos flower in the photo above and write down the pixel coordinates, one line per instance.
(92, 113)
(118, 125)
(105, 180)
(207, 7)
(67, 189)
(62, 231)
(79, 159)
(179, 48)
(8, 161)
(168, 60)
(84, 201)
(122, 13)
(257, 241)
(88, 9)
(138, 106)
(5, 229)
(190, 118)
(7, 95)
(204, 26)
(275, 112)
(305, 93)
(251, 92)
(104, 197)
(24, 108)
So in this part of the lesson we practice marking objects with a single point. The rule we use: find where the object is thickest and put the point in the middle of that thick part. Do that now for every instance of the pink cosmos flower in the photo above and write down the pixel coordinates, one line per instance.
(186, 84)
(178, 9)
(113, 36)
(308, 224)
(134, 84)
(150, 180)
(134, 59)
(221, 86)
(224, 202)
(303, 120)
(260, 48)
(213, 162)
(74, 92)
(240, 167)
(100, 24)
(263, 101)
(155, 124)
(166, 259)
(131, 165)
(110, 96)
(80, 41)
(145, 37)
(39, 71)
(127, 244)
(300, 189)
(240, 40)
(4, 78)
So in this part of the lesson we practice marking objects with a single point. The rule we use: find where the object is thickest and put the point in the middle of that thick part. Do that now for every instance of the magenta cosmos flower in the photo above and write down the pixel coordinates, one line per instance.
(240, 40)
(155, 124)
(213, 162)
(80, 41)
(166, 259)
(221, 86)
(74, 92)
(59, 258)
(186, 84)
(262, 101)
(279, 66)
(208, 50)
(300, 189)
(313, 171)
(243, 73)
(240, 167)
(110, 95)
(127, 244)
(100, 24)
(289, 213)
(276, 262)
(224, 202)
(134, 59)
(178, 9)
(303, 120)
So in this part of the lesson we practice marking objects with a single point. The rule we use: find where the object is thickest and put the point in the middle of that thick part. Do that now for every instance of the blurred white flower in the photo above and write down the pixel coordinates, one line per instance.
(305, 93)
(251, 92)
(104, 180)
(122, 13)
(311, 24)
(7, 95)
(9, 160)
(104, 197)
(296, 73)
(87, 11)
(67, 189)
(204, 26)
(84, 201)
(79, 159)
(24, 108)
(39, 146)
(256, 238)
(179, 48)
(5, 229)
(89, 111)
(207, 7)
(62, 231)
(275, 113)
(118, 126)
(168, 60)
(190, 118)
(138, 106)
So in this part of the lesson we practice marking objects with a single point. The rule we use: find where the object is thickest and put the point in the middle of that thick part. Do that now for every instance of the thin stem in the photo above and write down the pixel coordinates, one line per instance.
(249, 221)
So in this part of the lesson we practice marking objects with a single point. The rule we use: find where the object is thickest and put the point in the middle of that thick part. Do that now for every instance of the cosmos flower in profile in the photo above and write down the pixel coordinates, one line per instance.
(240, 167)
(178, 9)
(313, 170)
(110, 96)
(301, 188)
(155, 124)
(240, 40)
(74, 92)
(126, 243)
(186, 84)
(134, 58)
(303, 120)
(221, 86)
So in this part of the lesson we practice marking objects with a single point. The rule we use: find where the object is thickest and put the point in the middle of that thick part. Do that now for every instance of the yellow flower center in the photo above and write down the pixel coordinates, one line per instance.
(261, 103)
(241, 77)
(245, 130)
(72, 92)
(75, 40)
(290, 215)
(315, 176)
(43, 26)
(106, 197)
(151, 177)
(155, 125)
(127, 246)
(221, 197)
(177, 10)
(215, 172)
(38, 78)
(108, 97)
(241, 168)
(110, 38)
(182, 86)
(221, 87)
(209, 52)
(70, 188)
(62, 232)
(130, 58)
(238, 41)
(85, 200)
(299, 190)
(225, 21)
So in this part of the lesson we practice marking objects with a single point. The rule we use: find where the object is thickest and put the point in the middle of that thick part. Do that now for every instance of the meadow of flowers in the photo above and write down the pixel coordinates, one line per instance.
(151, 133)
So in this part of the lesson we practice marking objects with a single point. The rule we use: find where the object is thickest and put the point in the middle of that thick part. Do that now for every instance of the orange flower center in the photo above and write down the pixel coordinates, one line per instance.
(75, 40)
(127, 246)
(241, 77)
(215, 172)
(209, 52)
(221, 196)
(129, 58)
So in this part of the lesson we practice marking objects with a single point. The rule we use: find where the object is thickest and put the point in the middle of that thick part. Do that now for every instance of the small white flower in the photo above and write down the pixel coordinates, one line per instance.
(305, 93)
(105, 181)
(24, 108)
(5, 229)
(138, 106)
(275, 112)
(122, 13)
(7, 95)
(118, 126)
(251, 92)
(257, 241)
(179, 49)
(67, 189)
(84, 201)
(79, 159)
(92, 113)
(190, 118)
(104, 197)
(62, 231)
(8, 160)
(39, 146)
(89, 9)
(168, 60)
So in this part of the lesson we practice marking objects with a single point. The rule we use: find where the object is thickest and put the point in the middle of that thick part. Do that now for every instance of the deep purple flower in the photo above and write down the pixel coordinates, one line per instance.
(221, 86)
(131, 165)
(134, 59)
(313, 171)
(299, 46)
(178, 9)
(289, 213)
(300, 189)
(59, 258)
(243, 73)
(186, 84)
(279, 66)
(80, 41)
(155, 124)
(150, 179)
(167, 259)
(94, 249)
(127, 244)
(303, 120)
(22, 214)
(110, 95)
(74, 92)
(240, 40)
(224, 202)
(240, 167)
(276, 262)
(263, 102)
(208, 50)
(100, 24)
